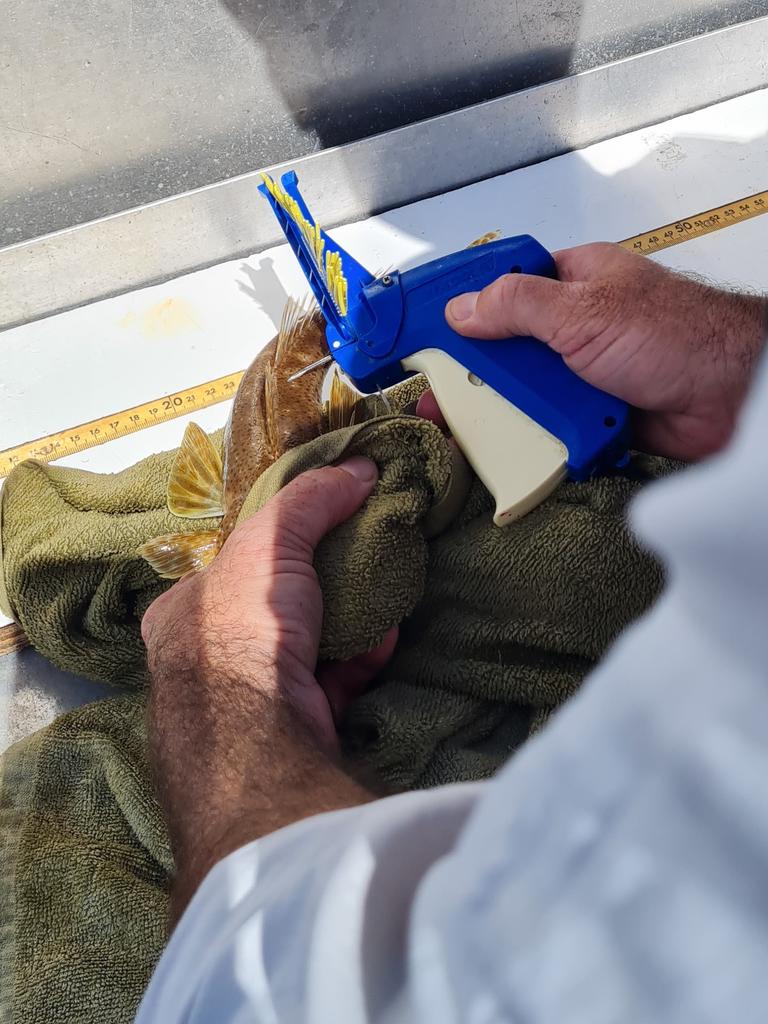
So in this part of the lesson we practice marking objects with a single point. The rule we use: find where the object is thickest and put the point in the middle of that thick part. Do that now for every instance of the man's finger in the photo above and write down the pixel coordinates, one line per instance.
(343, 681)
(594, 260)
(311, 505)
(515, 304)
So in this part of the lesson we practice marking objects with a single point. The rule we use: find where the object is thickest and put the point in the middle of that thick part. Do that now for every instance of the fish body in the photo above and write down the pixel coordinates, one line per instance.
(270, 415)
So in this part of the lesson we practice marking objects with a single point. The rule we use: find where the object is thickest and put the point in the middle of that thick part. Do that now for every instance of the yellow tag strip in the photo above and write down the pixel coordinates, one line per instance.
(327, 263)
(118, 424)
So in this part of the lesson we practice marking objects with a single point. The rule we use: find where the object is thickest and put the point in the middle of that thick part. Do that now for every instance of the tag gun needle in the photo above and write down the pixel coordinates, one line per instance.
(310, 368)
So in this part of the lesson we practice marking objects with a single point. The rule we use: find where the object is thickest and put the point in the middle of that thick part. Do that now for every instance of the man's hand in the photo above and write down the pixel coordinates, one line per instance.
(681, 352)
(241, 726)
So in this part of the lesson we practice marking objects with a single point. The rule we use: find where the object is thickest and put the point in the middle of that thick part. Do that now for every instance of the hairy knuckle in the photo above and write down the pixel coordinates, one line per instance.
(575, 317)
(244, 549)
(606, 250)
(505, 290)
(311, 481)
(229, 645)
(324, 485)
(292, 541)
(316, 478)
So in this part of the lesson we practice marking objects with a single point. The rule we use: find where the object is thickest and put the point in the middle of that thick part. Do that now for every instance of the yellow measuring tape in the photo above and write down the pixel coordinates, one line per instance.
(700, 224)
(118, 424)
(201, 396)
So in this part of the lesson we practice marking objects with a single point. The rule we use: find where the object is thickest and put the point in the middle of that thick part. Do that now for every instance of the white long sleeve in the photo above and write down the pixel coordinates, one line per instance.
(614, 871)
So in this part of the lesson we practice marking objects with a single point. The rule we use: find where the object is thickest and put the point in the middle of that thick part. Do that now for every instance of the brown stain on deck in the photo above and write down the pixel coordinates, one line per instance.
(166, 319)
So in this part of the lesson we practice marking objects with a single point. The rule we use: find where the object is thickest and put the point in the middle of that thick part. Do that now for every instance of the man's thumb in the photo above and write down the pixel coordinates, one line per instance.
(313, 503)
(515, 304)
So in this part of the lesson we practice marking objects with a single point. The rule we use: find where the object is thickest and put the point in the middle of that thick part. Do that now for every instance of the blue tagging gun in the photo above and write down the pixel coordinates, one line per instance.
(522, 418)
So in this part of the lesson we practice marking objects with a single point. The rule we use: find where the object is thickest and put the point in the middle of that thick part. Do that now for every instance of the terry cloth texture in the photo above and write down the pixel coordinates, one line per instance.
(500, 627)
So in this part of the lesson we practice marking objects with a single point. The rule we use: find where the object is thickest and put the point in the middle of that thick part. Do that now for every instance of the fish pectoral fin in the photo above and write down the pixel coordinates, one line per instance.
(177, 554)
(196, 484)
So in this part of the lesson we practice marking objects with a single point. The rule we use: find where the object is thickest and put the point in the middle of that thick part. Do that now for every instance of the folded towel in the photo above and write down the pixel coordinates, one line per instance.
(85, 869)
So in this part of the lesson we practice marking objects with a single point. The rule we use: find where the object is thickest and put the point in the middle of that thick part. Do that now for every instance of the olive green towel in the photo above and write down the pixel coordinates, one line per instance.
(500, 627)
(85, 870)
(78, 588)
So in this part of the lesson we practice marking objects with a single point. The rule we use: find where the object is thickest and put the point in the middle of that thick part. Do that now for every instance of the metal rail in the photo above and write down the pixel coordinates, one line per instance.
(224, 221)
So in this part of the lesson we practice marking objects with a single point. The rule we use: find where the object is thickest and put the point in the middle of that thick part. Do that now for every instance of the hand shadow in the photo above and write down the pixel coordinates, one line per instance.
(263, 285)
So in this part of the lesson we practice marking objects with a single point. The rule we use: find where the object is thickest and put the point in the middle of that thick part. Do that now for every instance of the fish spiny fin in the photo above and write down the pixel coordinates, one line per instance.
(295, 315)
(270, 410)
(342, 400)
(195, 487)
(177, 554)
(489, 236)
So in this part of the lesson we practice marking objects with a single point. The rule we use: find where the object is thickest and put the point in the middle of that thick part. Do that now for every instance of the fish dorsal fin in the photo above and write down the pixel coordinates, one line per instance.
(195, 487)
(295, 315)
(341, 400)
(177, 554)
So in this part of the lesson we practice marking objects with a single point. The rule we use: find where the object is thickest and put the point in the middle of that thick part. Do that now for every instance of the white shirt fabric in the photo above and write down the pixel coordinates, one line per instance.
(615, 871)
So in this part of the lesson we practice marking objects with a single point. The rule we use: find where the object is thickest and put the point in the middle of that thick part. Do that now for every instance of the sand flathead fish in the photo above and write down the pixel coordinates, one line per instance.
(270, 415)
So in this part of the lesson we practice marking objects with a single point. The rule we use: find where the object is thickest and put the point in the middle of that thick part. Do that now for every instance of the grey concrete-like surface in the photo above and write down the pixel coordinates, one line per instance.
(110, 104)
(33, 693)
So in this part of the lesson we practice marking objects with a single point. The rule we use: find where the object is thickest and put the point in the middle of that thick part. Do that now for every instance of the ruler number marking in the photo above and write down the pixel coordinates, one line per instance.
(702, 224)
(129, 421)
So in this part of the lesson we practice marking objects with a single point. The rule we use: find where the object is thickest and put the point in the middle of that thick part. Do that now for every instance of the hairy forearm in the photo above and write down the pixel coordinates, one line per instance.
(738, 328)
(316, 786)
(258, 767)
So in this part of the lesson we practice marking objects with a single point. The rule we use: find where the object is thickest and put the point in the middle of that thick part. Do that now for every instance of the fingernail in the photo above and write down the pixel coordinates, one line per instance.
(463, 306)
(362, 469)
